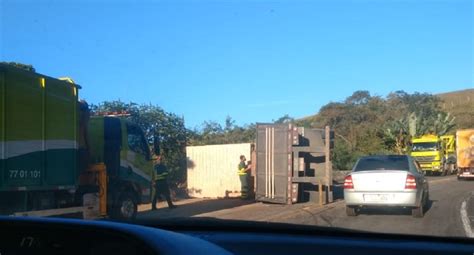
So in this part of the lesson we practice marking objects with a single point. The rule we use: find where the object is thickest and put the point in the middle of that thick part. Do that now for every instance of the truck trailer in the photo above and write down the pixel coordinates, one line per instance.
(465, 153)
(293, 164)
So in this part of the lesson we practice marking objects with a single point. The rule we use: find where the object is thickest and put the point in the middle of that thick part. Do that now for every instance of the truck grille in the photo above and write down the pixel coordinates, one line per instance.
(425, 158)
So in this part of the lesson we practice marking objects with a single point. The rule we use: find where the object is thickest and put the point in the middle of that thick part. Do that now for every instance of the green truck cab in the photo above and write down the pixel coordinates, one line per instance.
(48, 143)
(121, 145)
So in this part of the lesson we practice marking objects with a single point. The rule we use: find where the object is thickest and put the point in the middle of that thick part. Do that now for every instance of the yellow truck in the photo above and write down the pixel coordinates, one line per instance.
(465, 153)
(435, 154)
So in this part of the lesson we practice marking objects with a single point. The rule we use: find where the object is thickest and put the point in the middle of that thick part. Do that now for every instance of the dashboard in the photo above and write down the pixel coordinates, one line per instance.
(21, 235)
(28, 235)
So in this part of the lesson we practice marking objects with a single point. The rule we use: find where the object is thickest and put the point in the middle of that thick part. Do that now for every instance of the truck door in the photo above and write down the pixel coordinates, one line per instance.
(135, 164)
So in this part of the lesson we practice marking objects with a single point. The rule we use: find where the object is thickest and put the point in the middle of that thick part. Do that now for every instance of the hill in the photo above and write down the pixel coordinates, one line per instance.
(461, 105)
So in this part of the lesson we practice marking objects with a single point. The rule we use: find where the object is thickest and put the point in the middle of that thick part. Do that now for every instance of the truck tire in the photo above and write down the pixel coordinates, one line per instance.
(445, 169)
(126, 207)
(351, 211)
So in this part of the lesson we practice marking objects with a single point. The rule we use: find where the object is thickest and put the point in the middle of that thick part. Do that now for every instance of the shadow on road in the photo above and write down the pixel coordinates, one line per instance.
(196, 208)
(429, 204)
(393, 210)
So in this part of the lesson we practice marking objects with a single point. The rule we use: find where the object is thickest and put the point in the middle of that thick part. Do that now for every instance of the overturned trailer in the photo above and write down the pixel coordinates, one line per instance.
(293, 164)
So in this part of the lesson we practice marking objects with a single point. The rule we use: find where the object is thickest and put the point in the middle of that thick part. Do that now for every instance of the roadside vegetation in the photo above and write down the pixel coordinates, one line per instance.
(364, 124)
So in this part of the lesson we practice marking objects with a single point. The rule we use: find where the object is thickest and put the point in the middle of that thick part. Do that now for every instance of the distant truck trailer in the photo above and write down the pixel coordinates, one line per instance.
(465, 153)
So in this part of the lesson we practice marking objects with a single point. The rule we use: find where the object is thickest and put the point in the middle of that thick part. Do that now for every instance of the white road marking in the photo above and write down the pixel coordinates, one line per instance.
(465, 220)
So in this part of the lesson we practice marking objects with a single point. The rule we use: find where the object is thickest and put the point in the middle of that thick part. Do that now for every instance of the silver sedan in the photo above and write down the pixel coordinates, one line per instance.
(386, 180)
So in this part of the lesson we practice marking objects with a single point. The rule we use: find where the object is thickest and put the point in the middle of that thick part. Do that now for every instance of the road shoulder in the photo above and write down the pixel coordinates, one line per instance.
(467, 215)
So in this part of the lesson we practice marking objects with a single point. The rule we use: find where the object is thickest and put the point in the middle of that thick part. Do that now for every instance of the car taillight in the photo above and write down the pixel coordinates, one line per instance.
(410, 183)
(348, 182)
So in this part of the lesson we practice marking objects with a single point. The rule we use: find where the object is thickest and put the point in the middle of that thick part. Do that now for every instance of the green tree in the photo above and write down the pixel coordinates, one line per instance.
(397, 136)
(343, 156)
(443, 123)
(373, 124)
(212, 132)
(284, 119)
(26, 67)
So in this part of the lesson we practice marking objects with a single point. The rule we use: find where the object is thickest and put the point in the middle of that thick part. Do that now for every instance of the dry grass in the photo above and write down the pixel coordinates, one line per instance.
(461, 105)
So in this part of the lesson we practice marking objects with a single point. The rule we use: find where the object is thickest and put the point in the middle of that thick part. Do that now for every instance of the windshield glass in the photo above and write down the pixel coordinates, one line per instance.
(425, 147)
(255, 110)
(382, 163)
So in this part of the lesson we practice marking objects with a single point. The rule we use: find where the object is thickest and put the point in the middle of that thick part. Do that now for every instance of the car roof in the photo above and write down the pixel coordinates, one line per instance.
(385, 157)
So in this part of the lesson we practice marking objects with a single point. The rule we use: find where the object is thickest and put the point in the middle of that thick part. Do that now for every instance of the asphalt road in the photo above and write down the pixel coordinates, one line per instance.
(444, 216)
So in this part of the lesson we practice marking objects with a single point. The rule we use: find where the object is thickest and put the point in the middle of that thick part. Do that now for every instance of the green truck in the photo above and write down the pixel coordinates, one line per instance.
(50, 148)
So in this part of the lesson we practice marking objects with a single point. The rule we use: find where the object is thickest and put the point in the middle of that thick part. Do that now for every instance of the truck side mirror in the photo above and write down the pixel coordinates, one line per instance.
(156, 146)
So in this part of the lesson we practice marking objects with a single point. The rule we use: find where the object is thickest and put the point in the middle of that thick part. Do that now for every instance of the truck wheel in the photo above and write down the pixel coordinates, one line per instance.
(445, 170)
(351, 211)
(126, 208)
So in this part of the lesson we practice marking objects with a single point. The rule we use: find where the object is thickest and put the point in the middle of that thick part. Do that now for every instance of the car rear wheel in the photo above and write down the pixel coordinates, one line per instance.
(427, 201)
(351, 211)
(419, 212)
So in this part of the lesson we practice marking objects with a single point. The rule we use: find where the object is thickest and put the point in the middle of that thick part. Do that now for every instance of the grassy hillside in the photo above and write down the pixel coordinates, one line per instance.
(368, 124)
(461, 105)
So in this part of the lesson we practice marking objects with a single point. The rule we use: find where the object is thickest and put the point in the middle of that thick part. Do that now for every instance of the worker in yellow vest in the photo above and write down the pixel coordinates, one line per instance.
(244, 175)
(160, 181)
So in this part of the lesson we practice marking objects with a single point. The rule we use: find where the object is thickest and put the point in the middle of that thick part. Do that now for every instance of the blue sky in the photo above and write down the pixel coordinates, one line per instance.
(252, 60)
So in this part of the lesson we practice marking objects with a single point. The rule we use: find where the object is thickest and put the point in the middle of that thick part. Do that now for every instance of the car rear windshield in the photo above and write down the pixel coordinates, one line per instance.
(382, 163)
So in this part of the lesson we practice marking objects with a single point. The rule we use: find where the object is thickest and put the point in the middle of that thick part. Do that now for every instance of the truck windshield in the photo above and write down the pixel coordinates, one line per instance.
(425, 147)
(382, 163)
